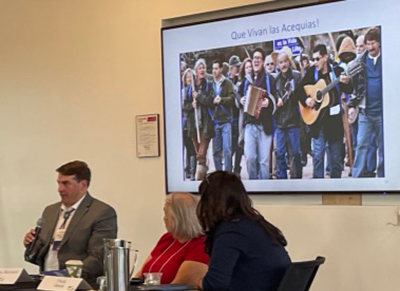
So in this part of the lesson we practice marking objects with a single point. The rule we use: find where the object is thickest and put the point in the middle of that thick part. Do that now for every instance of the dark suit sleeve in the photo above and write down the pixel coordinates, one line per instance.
(105, 226)
(38, 252)
(33, 257)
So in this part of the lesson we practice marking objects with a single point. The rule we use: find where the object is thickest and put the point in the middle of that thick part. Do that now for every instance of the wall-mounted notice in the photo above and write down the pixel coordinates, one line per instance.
(147, 136)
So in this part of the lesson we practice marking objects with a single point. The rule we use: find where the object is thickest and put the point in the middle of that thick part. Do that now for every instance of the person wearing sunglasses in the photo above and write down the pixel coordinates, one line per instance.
(270, 65)
(328, 128)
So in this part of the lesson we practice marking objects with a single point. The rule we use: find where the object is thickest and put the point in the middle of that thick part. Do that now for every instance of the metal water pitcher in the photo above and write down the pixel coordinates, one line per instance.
(117, 253)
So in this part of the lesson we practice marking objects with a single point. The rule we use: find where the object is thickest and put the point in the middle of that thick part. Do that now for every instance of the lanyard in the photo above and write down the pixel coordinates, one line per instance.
(246, 85)
(267, 82)
(166, 262)
(66, 215)
(199, 87)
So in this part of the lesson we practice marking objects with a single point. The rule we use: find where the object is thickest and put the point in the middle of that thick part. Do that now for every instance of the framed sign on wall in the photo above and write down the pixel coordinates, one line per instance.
(147, 136)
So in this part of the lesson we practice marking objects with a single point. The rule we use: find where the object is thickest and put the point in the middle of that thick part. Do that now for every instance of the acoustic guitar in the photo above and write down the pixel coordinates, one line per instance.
(319, 92)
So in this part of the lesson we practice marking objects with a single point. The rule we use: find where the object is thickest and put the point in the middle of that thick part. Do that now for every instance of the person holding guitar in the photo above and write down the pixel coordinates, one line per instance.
(287, 118)
(320, 104)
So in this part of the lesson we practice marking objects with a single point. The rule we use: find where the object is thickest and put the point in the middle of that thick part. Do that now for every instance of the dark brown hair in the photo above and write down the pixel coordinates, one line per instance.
(219, 62)
(242, 72)
(78, 169)
(261, 51)
(224, 198)
(372, 34)
(321, 48)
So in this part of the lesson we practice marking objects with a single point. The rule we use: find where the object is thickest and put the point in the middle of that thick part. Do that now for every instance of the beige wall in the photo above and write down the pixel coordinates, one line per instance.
(73, 76)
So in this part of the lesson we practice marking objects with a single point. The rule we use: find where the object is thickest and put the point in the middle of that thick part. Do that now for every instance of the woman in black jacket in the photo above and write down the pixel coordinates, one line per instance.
(247, 252)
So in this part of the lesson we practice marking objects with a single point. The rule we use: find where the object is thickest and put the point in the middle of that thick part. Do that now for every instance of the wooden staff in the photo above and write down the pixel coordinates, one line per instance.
(247, 52)
(347, 132)
(196, 115)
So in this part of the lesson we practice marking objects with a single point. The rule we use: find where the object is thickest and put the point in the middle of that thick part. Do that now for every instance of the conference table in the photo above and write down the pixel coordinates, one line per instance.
(32, 286)
(27, 286)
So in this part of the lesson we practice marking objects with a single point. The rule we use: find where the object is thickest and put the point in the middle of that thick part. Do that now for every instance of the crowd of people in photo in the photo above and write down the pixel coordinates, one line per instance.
(348, 126)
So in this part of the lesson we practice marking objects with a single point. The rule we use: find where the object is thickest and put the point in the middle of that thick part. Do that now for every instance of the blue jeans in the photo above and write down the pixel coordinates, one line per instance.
(354, 132)
(292, 136)
(334, 152)
(371, 154)
(237, 151)
(256, 151)
(366, 125)
(222, 144)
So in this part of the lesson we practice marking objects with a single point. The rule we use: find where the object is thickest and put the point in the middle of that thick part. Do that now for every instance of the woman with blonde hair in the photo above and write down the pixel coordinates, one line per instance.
(179, 254)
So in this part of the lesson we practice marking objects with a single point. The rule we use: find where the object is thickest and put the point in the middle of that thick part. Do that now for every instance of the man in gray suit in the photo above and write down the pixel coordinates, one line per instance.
(74, 228)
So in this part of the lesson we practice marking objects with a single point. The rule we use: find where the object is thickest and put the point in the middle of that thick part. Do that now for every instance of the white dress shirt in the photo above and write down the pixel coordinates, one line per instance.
(51, 260)
(375, 59)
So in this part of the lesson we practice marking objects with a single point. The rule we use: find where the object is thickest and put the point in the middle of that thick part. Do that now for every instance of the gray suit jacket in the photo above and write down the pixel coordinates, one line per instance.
(83, 239)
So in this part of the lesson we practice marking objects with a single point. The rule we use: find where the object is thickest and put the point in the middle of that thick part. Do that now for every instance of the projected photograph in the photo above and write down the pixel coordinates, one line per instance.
(308, 107)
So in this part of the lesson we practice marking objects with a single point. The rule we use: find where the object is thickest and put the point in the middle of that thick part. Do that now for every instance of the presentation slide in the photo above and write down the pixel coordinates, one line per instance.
(295, 101)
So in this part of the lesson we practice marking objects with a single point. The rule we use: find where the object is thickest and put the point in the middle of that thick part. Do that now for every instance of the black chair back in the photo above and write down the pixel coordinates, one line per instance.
(300, 275)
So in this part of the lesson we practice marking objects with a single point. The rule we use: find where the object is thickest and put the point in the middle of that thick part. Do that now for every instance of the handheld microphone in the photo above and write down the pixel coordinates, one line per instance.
(29, 248)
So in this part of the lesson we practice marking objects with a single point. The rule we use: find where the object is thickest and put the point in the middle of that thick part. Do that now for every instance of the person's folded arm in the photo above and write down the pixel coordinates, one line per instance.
(190, 273)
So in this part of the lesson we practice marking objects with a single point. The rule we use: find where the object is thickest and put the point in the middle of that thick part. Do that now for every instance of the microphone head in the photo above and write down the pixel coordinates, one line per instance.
(40, 222)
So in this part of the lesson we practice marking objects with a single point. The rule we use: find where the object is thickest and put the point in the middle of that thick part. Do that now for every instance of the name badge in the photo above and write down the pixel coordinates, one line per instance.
(335, 110)
(58, 237)
(52, 283)
(10, 276)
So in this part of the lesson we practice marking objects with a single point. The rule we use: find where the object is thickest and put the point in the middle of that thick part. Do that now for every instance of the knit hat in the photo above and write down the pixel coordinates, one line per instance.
(199, 62)
(347, 50)
(287, 50)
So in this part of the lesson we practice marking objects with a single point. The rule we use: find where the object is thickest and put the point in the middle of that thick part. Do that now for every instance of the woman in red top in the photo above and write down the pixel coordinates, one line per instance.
(179, 254)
